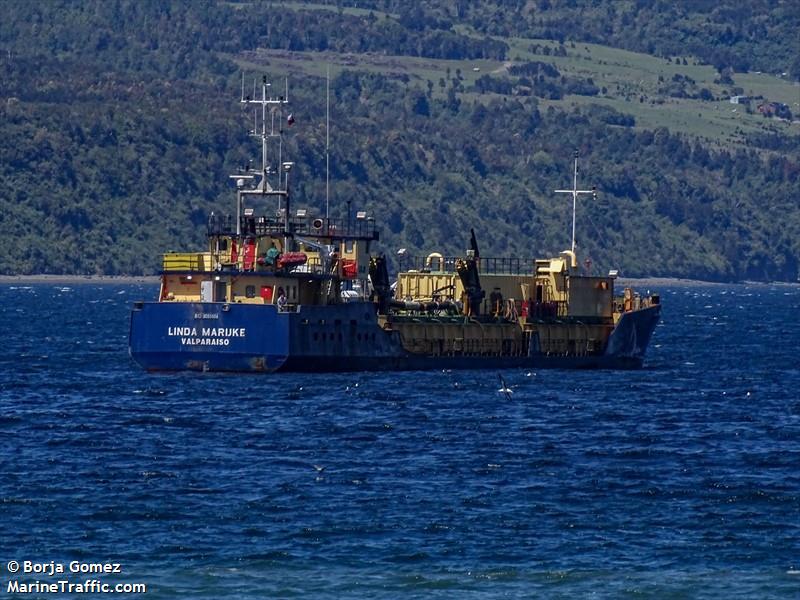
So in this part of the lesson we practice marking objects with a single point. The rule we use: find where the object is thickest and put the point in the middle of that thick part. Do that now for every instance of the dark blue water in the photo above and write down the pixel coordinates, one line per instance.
(678, 481)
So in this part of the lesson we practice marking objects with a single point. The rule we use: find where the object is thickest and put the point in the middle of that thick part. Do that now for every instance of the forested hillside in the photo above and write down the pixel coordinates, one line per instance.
(120, 124)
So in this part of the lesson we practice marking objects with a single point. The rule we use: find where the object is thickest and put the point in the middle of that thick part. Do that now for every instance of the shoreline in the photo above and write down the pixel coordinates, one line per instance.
(679, 281)
(154, 279)
(78, 279)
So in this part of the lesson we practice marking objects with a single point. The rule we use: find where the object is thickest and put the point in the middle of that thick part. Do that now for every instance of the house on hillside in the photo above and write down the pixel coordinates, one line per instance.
(775, 109)
(740, 99)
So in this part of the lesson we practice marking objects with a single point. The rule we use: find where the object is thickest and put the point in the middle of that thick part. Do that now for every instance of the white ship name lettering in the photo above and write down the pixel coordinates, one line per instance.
(205, 341)
(182, 331)
(223, 331)
(208, 336)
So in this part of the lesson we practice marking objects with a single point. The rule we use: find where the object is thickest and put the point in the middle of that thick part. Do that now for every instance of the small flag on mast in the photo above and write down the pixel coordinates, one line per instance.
(290, 119)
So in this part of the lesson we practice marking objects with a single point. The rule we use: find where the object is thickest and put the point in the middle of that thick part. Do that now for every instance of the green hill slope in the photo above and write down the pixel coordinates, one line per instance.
(120, 123)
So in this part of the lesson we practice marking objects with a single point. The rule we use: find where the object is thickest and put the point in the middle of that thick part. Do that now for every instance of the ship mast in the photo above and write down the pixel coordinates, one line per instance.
(328, 143)
(271, 108)
(575, 193)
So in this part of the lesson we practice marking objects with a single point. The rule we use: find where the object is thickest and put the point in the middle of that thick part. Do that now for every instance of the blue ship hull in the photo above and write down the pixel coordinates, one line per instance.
(210, 336)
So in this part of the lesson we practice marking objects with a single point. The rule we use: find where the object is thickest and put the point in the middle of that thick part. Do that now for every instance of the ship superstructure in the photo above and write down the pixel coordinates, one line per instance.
(279, 288)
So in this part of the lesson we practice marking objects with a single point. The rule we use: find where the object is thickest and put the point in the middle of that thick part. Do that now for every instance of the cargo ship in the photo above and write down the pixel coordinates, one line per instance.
(282, 289)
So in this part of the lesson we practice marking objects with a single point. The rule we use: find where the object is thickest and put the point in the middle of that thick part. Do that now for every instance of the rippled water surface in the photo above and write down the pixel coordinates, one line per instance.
(681, 480)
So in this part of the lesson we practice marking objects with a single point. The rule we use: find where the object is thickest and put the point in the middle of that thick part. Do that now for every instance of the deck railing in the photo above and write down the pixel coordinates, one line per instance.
(447, 264)
(261, 225)
(186, 261)
(221, 261)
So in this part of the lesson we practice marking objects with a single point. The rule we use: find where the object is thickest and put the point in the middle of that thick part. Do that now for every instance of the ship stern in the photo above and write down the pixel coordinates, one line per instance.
(208, 336)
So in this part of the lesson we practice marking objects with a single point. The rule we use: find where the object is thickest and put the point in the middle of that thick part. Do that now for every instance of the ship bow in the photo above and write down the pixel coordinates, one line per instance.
(631, 336)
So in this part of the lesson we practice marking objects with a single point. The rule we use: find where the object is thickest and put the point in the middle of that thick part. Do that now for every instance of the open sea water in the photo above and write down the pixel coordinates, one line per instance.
(681, 480)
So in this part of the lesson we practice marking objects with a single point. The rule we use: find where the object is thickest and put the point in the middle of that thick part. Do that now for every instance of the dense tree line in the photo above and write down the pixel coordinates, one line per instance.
(755, 35)
(182, 38)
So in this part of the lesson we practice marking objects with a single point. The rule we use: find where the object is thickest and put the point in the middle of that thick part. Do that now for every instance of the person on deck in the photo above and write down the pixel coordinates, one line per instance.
(496, 302)
(271, 257)
(281, 300)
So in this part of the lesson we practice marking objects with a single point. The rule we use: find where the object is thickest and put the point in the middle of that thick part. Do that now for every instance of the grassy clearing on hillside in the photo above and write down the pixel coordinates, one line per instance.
(419, 70)
(628, 76)
(772, 88)
(632, 82)
(714, 123)
(359, 12)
